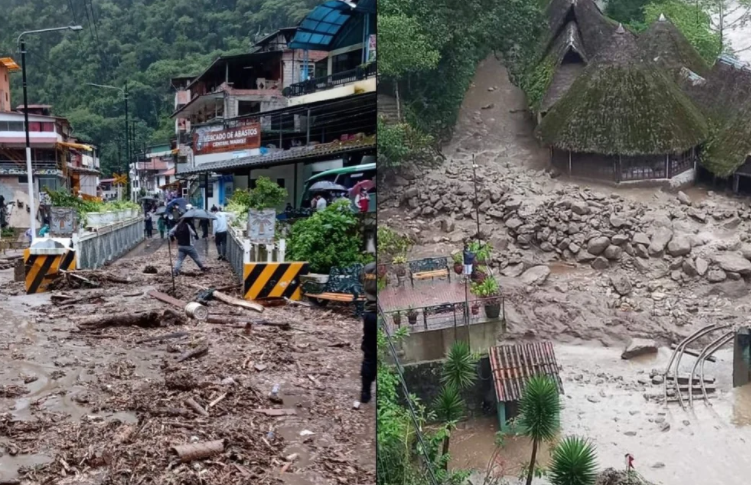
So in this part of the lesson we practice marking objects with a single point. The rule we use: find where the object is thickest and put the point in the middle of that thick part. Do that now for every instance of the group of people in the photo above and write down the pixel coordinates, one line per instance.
(362, 201)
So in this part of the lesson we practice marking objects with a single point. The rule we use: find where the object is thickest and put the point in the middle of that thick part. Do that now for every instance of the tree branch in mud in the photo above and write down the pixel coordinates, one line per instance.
(148, 319)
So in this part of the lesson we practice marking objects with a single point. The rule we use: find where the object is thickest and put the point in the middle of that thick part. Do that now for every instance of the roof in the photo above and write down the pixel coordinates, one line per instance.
(623, 106)
(664, 44)
(564, 73)
(513, 365)
(318, 30)
(283, 30)
(237, 58)
(9, 64)
(284, 156)
(594, 27)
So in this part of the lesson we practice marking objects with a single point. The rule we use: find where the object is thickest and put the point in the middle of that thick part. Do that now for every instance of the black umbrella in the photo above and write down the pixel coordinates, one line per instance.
(160, 210)
(198, 214)
(325, 185)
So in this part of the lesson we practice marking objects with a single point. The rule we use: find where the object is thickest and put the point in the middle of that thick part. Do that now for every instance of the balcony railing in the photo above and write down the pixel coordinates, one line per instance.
(332, 81)
(13, 166)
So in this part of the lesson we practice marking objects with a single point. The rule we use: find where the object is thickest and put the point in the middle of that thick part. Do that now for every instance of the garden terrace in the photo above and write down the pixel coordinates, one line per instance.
(623, 120)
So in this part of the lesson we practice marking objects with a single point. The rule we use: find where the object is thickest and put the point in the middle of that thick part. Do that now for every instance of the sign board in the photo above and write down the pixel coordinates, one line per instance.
(62, 221)
(261, 226)
(372, 48)
(239, 138)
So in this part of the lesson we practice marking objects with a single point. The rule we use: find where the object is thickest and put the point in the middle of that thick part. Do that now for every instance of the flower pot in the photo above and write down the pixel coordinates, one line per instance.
(458, 268)
(397, 319)
(493, 310)
(475, 309)
(382, 270)
(412, 319)
(108, 218)
(478, 276)
(95, 219)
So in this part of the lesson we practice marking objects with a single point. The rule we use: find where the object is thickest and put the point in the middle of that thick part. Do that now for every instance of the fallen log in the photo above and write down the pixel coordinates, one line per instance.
(199, 352)
(231, 300)
(196, 407)
(159, 338)
(232, 320)
(149, 319)
(199, 451)
(167, 299)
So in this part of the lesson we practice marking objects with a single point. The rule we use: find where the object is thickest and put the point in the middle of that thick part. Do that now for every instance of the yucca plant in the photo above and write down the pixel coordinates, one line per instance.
(449, 408)
(539, 415)
(460, 368)
(574, 462)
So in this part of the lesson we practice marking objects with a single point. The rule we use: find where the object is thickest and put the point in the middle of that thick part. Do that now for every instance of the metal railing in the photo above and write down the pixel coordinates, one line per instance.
(235, 254)
(331, 81)
(447, 315)
(21, 164)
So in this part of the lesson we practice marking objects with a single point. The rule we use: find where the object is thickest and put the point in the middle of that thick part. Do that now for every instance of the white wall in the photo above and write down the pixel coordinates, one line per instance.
(219, 157)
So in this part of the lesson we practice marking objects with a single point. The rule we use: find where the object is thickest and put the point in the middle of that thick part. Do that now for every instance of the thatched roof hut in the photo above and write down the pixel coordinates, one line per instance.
(568, 59)
(594, 27)
(665, 45)
(623, 106)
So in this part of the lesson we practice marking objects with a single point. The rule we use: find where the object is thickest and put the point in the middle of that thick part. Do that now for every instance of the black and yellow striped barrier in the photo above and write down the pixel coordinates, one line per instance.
(273, 280)
(41, 269)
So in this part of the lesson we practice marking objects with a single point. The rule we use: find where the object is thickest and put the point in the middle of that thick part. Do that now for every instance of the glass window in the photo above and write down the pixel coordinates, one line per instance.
(35, 126)
(280, 182)
(346, 61)
(48, 127)
(15, 126)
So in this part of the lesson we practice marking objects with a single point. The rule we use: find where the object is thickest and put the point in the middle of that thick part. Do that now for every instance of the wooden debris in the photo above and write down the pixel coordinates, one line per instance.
(159, 338)
(217, 400)
(167, 299)
(199, 451)
(277, 412)
(199, 352)
(141, 319)
(196, 407)
(297, 303)
(231, 300)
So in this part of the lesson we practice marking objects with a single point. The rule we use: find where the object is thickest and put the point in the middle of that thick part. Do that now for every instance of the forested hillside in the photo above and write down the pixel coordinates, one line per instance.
(144, 42)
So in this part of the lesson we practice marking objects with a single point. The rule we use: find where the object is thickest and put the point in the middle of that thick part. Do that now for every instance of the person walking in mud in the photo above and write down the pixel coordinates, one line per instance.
(148, 224)
(184, 233)
(369, 345)
(161, 225)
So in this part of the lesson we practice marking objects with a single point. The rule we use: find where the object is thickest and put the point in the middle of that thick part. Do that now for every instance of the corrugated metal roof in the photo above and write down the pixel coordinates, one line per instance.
(277, 158)
(513, 365)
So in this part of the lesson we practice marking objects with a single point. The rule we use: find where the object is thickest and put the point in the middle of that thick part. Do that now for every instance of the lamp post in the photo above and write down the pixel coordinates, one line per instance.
(477, 206)
(29, 170)
(123, 90)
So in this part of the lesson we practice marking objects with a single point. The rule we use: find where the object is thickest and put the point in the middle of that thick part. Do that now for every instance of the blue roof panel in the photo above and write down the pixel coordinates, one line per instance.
(320, 27)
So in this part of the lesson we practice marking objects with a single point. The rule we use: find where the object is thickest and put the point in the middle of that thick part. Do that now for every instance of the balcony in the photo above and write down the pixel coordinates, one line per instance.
(41, 167)
(334, 80)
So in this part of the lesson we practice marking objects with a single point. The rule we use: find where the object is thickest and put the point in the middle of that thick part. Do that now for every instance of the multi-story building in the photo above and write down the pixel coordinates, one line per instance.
(59, 161)
(153, 173)
(320, 116)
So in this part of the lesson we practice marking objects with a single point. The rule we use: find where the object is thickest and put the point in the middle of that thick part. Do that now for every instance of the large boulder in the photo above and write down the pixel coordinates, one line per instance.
(684, 199)
(580, 207)
(597, 245)
(621, 284)
(679, 246)
(613, 252)
(660, 239)
(716, 275)
(448, 224)
(618, 221)
(536, 275)
(600, 263)
(734, 263)
(702, 265)
(584, 257)
(641, 238)
(639, 346)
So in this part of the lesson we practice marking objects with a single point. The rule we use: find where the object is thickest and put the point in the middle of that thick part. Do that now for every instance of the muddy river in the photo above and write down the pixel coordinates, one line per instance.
(604, 401)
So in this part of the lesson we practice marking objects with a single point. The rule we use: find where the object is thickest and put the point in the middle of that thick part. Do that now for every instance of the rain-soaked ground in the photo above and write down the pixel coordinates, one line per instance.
(62, 385)
(604, 402)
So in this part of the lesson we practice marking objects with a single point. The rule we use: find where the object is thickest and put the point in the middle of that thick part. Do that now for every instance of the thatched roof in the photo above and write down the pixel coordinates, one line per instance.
(725, 98)
(594, 26)
(568, 58)
(621, 105)
(665, 45)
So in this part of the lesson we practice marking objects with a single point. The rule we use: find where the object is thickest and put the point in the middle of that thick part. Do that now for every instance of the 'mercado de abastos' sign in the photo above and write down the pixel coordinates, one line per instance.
(238, 138)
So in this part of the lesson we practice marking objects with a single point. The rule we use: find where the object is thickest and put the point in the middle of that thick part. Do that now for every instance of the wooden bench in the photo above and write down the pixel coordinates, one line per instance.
(342, 286)
(429, 268)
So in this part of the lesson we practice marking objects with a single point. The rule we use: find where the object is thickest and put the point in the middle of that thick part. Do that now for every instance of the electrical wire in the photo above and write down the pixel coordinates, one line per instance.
(405, 389)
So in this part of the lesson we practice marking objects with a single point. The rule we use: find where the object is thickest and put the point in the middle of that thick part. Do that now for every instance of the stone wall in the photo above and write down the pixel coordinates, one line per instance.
(428, 345)
(424, 381)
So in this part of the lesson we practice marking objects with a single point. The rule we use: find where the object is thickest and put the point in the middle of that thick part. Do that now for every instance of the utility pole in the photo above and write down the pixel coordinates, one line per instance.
(477, 206)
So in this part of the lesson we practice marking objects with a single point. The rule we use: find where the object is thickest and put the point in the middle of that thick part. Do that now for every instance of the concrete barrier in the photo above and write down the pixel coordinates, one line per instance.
(108, 243)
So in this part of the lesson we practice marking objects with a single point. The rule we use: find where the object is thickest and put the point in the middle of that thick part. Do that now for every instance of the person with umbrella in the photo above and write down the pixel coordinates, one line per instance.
(161, 224)
(320, 203)
(362, 200)
(148, 224)
(184, 233)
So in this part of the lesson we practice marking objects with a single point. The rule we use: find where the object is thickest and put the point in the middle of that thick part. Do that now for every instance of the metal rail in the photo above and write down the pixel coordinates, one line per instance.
(718, 342)
(703, 387)
(699, 333)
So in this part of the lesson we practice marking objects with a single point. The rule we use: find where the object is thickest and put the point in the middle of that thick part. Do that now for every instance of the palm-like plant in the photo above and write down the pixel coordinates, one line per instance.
(539, 414)
(460, 368)
(449, 408)
(574, 463)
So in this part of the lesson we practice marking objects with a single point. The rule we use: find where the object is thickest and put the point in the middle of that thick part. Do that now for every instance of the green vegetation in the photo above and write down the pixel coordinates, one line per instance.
(392, 245)
(694, 24)
(266, 194)
(629, 12)
(488, 288)
(328, 238)
(399, 144)
(539, 415)
(573, 462)
(143, 42)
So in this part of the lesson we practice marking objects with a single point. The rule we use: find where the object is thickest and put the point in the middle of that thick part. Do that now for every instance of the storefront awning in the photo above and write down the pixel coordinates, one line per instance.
(77, 146)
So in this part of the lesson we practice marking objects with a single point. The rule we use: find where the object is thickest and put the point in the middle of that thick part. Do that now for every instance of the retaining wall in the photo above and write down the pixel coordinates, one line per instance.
(108, 243)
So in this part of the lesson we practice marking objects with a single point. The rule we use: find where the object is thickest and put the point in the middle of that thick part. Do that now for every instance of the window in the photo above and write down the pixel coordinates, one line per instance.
(346, 61)
(252, 184)
(48, 127)
(23, 179)
(15, 126)
(280, 182)
(35, 126)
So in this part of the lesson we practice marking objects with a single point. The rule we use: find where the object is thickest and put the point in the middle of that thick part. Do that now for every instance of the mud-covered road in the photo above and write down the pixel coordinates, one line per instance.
(87, 405)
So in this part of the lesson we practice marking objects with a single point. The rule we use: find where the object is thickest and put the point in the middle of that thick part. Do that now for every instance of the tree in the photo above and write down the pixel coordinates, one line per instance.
(539, 415)
(626, 11)
(460, 368)
(449, 408)
(692, 21)
(574, 463)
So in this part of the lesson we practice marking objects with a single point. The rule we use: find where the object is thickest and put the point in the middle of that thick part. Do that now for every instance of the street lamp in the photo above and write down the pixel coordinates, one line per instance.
(123, 90)
(22, 47)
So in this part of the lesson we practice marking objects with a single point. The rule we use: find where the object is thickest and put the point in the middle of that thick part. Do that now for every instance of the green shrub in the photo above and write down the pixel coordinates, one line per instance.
(328, 238)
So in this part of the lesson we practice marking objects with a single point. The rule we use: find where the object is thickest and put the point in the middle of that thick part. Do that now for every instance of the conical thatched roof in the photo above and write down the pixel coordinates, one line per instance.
(568, 44)
(621, 105)
(665, 45)
(594, 26)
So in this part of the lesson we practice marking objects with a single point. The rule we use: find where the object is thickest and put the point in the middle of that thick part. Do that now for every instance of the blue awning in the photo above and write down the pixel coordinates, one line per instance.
(319, 28)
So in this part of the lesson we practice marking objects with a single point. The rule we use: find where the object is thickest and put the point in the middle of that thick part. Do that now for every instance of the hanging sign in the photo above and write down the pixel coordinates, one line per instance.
(261, 226)
(239, 138)
(372, 48)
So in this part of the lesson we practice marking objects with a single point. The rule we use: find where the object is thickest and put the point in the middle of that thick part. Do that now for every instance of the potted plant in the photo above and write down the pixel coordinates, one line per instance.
(412, 315)
(400, 268)
(479, 274)
(382, 270)
(481, 250)
(397, 319)
(459, 263)
(490, 292)
(475, 308)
